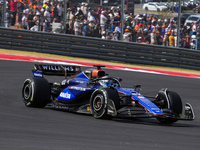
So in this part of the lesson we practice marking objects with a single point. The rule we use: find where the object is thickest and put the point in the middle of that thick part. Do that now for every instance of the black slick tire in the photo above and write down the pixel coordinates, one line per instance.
(175, 104)
(36, 92)
(99, 102)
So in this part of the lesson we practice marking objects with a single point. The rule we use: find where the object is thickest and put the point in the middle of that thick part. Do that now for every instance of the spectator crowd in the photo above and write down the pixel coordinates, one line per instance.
(82, 19)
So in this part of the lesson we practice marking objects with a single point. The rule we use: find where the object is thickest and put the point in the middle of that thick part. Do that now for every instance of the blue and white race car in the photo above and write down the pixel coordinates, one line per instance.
(93, 92)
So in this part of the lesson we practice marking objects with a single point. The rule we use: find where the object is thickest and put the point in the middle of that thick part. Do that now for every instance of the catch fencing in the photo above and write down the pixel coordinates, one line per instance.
(96, 48)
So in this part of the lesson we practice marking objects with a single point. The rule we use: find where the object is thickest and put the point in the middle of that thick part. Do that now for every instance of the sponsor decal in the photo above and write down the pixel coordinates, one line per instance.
(79, 81)
(65, 95)
(78, 88)
(37, 74)
(51, 67)
(59, 68)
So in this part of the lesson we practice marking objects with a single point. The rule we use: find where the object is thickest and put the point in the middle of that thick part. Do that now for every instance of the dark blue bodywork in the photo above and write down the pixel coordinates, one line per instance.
(81, 94)
(79, 85)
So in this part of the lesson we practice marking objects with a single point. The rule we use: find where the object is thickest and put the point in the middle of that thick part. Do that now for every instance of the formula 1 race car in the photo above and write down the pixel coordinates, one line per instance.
(93, 92)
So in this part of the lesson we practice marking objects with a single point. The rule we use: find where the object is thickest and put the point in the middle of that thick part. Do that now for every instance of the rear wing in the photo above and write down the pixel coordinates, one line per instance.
(58, 70)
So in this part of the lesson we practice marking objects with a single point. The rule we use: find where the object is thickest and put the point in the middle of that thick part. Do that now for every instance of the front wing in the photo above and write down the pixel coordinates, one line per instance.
(127, 111)
(136, 112)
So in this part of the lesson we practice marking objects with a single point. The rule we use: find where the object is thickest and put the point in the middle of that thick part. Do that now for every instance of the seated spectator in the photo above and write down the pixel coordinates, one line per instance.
(36, 27)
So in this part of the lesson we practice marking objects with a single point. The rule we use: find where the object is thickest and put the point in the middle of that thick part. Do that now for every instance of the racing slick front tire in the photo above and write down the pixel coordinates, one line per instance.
(36, 92)
(99, 102)
(174, 103)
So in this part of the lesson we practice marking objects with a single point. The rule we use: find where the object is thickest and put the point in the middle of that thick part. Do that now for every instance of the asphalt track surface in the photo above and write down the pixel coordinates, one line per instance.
(23, 128)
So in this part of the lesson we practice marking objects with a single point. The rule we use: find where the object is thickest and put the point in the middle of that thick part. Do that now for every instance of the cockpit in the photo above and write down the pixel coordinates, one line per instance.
(101, 77)
(109, 82)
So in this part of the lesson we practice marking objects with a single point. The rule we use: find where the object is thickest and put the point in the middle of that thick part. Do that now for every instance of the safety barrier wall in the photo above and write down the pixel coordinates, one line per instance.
(95, 48)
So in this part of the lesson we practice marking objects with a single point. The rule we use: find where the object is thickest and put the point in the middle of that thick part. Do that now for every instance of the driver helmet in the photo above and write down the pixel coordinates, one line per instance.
(105, 83)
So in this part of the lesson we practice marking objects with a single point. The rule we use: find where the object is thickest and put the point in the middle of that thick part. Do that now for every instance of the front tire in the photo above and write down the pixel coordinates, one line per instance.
(36, 92)
(99, 102)
(173, 102)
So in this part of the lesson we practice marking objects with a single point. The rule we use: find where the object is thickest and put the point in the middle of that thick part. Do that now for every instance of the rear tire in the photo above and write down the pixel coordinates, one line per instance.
(36, 92)
(175, 104)
(99, 102)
